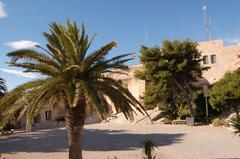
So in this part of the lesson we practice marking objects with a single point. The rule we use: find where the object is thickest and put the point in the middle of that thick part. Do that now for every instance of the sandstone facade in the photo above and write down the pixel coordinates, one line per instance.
(218, 57)
(226, 59)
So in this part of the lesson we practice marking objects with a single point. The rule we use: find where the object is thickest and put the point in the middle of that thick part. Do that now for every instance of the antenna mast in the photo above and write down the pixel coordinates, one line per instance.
(206, 25)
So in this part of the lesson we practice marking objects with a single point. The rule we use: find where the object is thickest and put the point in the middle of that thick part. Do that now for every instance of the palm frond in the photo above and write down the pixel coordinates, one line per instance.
(69, 46)
(56, 54)
(120, 96)
(92, 93)
(37, 67)
(32, 56)
(31, 98)
(95, 56)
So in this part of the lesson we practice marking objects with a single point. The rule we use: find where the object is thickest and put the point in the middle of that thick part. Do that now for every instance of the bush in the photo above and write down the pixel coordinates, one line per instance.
(171, 111)
(217, 122)
(235, 123)
(226, 123)
(182, 109)
(176, 108)
(148, 147)
(167, 121)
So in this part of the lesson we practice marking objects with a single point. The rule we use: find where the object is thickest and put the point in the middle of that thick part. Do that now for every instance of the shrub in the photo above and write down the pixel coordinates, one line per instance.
(225, 94)
(226, 123)
(167, 121)
(235, 123)
(181, 105)
(171, 111)
(217, 122)
(148, 147)
(176, 108)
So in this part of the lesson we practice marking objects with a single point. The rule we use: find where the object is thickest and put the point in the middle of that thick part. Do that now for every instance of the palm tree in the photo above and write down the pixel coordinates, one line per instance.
(3, 87)
(72, 75)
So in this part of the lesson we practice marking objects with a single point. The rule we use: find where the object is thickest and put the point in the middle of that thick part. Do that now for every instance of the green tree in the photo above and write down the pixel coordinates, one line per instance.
(225, 94)
(71, 75)
(170, 69)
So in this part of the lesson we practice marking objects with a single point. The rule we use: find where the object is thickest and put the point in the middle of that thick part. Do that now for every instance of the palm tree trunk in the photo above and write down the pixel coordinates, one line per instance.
(74, 123)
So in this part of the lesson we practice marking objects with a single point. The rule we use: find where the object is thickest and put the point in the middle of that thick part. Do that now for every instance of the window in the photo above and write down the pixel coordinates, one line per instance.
(205, 59)
(213, 59)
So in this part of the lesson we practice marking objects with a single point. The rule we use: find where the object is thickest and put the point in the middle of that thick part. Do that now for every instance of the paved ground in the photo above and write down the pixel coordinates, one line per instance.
(107, 140)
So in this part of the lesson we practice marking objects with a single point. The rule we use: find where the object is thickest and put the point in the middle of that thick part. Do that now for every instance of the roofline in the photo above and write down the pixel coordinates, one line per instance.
(211, 41)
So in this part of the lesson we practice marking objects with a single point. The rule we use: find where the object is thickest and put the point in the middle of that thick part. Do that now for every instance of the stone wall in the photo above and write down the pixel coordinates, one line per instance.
(226, 59)
(135, 86)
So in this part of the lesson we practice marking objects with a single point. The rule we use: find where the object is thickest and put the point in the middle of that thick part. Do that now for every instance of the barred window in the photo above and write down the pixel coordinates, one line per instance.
(213, 59)
(205, 59)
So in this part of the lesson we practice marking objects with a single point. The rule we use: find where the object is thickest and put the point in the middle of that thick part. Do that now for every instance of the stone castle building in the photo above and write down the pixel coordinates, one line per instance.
(220, 58)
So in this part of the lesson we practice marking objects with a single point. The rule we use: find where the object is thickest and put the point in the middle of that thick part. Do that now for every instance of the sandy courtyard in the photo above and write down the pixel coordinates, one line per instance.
(108, 140)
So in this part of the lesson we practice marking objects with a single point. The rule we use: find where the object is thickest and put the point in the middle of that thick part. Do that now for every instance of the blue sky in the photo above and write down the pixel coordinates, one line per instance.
(130, 22)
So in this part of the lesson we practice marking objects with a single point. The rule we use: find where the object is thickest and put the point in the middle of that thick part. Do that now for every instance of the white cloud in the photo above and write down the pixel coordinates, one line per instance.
(18, 73)
(2, 10)
(22, 44)
(233, 41)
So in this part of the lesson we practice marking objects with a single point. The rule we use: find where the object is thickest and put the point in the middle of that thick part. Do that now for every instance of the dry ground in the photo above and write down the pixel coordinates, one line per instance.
(108, 140)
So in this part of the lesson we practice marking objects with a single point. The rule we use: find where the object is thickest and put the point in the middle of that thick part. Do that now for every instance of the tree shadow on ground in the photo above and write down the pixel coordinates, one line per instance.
(55, 140)
(106, 140)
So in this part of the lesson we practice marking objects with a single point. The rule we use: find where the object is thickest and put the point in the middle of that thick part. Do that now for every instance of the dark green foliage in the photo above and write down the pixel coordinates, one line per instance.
(170, 69)
(200, 108)
(170, 110)
(225, 94)
(148, 148)
(181, 105)
(235, 123)
(176, 108)
(152, 95)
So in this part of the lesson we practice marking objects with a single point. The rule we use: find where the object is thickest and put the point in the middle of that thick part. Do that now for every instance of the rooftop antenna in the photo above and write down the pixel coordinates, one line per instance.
(206, 24)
